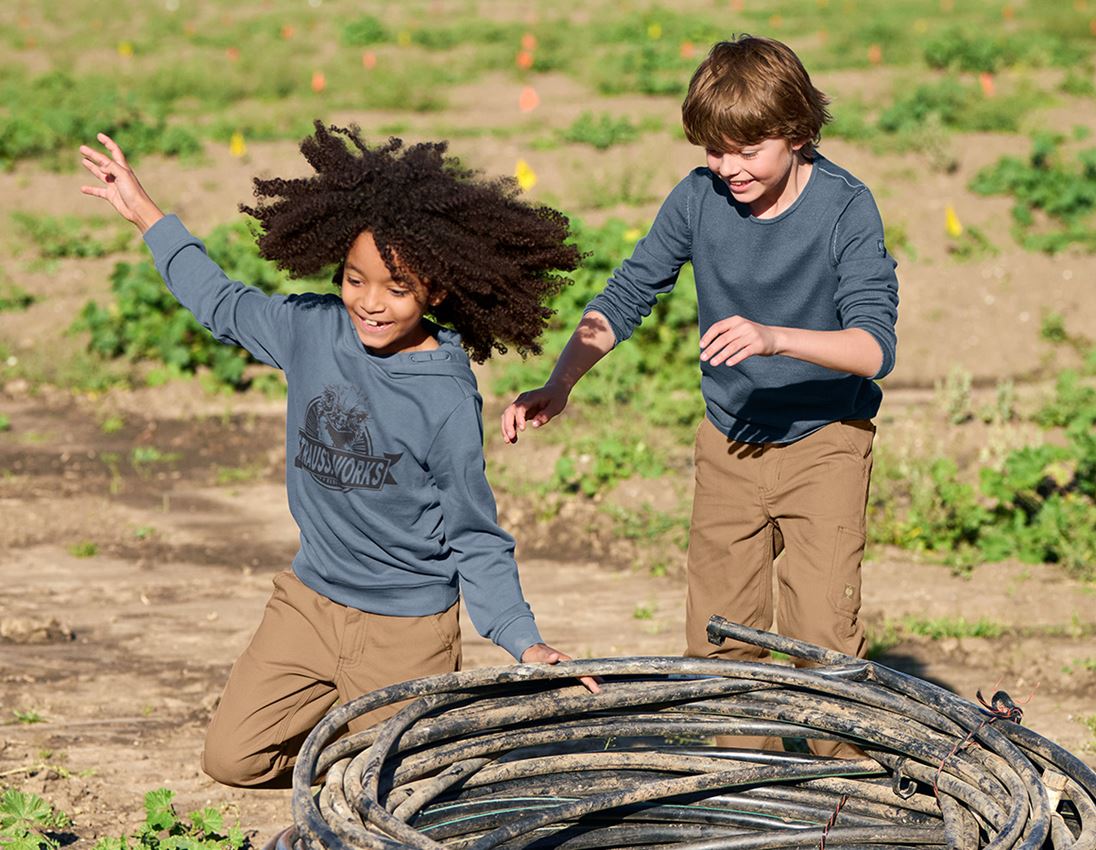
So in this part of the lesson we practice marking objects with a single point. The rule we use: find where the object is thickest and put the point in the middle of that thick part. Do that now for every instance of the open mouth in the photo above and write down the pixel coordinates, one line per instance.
(373, 325)
(739, 185)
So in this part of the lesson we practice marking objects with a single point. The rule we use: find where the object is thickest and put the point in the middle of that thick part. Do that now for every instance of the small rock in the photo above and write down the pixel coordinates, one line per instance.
(28, 630)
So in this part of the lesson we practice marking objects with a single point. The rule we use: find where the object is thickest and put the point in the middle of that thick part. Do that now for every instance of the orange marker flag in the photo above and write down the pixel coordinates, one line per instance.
(529, 99)
(527, 178)
(875, 54)
(369, 60)
(524, 60)
(985, 80)
(233, 54)
(529, 42)
(319, 81)
(688, 50)
(288, 32)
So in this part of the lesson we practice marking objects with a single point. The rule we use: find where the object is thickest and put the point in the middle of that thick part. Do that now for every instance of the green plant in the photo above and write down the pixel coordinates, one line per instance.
(58, 237)
(13, 297)
(5, 422)
(27, 716)
(164, 829)
(112, 424)
(602, 131)
(952, 627)
(644, 611)
(593, 465)
(1054, 197)
(953, 395)
(27, 822)
(84, 549)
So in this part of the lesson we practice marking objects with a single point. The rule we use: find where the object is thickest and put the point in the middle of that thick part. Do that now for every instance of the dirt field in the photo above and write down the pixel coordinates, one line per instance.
(127, 591)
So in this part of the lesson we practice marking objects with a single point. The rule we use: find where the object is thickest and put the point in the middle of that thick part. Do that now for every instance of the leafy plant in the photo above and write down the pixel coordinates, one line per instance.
(84, 549)
(27, 822)
(1054, 197)
(602, 131)
(13, 297)
(57, 237)
(164, 829)
(27, 716)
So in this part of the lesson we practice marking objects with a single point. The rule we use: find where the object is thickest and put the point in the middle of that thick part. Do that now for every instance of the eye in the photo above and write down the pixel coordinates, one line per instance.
(353, 281)
(749, 154)
(399, 293)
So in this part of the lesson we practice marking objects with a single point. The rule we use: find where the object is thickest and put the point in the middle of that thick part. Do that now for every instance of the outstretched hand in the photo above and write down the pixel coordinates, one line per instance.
(542, 653)
(535, 408)
(121, 188)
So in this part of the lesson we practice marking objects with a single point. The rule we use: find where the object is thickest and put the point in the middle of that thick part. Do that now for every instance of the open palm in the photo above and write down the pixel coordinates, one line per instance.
(121, 188)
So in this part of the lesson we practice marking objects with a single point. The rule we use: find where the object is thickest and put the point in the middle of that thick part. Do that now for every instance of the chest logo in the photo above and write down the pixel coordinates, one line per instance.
(335, 446)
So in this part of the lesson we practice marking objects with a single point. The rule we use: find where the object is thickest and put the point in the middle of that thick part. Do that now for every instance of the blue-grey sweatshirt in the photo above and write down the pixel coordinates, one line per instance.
(821, 265)
(384, 455)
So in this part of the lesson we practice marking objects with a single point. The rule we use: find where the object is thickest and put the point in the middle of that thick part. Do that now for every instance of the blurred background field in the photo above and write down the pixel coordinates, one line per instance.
(971, 120)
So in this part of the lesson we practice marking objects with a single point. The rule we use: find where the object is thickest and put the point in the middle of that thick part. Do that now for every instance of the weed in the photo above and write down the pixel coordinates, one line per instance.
(27, 822)
(27, 716)
(13, 297)
(112, 424)
(84, 549)
(149, 455)
(164, 828)
(952, 627)
(5, 422)
(59, 237)
(971, 244)
(1054, 197)
(229, 475)
(954, 395)
(144, 532)
(602, 131)
(644, 611)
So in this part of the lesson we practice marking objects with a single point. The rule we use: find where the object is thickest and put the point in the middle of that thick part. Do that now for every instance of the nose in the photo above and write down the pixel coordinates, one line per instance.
(728, 166)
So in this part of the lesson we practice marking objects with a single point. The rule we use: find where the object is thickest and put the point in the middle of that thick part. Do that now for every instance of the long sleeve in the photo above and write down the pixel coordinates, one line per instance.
(651, 270)
(233, 312)
(484, 552)
(867, 288)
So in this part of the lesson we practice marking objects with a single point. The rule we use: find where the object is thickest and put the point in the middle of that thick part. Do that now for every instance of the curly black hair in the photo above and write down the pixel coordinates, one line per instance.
(497, 258)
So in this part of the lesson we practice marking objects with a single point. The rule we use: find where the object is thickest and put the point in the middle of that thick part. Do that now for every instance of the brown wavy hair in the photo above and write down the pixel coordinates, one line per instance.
(749, 90)
(496, 258)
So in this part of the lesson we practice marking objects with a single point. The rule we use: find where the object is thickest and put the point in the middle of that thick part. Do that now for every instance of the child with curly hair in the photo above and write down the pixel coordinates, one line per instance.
(384, 436)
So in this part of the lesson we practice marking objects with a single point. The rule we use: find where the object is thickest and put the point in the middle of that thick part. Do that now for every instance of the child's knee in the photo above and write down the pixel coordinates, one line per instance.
(226, 765)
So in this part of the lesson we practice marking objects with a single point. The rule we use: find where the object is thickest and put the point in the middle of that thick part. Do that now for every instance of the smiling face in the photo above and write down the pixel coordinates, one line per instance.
(767, 176)
(387, 313)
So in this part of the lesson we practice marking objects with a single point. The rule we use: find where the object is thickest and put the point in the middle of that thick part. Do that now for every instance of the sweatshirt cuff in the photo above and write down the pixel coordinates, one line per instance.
(518, 635)
(167, 236)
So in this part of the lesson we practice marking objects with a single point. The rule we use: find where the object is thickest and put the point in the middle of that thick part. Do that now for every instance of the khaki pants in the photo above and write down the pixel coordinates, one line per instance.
(807, 498)
(307, 653)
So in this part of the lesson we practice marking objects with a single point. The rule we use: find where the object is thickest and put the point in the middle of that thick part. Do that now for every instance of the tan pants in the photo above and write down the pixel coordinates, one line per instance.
(307, 653)
(807, 498)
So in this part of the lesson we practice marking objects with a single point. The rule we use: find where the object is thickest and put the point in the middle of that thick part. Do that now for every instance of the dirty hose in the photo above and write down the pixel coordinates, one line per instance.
(524, 757)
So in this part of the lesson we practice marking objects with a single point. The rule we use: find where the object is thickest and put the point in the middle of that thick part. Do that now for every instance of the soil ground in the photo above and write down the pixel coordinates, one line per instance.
(128, 589)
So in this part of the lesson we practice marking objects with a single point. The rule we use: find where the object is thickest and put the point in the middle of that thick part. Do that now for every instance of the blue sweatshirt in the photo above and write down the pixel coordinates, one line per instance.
(821, 264)
(384, 455)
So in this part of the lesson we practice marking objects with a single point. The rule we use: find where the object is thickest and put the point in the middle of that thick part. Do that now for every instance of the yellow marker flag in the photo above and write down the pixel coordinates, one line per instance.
(527, 178)
(952, 225)
(654, 31)
(125, 49)
(236, 145)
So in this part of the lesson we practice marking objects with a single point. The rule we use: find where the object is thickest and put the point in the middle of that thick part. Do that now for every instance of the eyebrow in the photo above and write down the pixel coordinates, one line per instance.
(360, 273)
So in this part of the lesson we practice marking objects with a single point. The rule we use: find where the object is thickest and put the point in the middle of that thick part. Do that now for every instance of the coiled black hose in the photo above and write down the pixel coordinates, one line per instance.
(524, 757)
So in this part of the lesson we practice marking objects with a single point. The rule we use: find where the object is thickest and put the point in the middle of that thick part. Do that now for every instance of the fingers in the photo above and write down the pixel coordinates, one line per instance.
(591, 683)
(112, 146)
(718, 328)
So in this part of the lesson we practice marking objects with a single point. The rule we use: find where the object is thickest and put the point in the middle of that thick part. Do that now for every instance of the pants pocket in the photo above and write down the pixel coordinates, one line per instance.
(844, 590)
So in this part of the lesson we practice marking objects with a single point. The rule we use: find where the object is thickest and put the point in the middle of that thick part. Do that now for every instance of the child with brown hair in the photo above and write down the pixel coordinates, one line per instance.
(384, 436)
(797, 300)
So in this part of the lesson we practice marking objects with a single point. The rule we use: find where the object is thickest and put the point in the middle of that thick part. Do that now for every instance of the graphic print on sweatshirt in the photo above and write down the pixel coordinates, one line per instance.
(335, 446)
